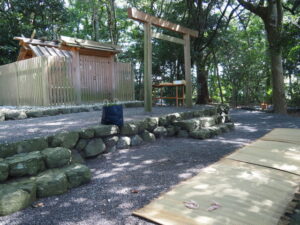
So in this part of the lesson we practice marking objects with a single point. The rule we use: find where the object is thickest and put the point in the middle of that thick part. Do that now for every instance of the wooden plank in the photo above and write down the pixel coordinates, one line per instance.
(167, 38)
(187, 70)
(146, 18)
(76, 64)
(147, 68)
(45, 84)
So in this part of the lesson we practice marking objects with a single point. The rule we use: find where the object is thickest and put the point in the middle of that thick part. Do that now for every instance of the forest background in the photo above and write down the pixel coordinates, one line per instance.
(233, 59)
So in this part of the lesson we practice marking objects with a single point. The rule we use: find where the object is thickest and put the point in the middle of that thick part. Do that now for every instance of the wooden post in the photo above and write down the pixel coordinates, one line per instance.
(147, 68)
(76, 70)
(45, 80)
(113, 77)
(187, 70)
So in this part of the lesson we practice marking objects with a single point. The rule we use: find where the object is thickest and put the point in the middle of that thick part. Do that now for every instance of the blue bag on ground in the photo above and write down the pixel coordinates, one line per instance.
(112, 115)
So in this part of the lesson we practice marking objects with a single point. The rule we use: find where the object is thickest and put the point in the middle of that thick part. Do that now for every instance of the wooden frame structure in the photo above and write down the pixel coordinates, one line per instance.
(148, 21)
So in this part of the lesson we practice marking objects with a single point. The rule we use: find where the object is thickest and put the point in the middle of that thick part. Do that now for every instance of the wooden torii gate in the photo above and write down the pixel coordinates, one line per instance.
(148, 21)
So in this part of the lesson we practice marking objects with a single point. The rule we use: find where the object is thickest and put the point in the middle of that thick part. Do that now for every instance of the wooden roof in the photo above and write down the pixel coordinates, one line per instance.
(63, 46)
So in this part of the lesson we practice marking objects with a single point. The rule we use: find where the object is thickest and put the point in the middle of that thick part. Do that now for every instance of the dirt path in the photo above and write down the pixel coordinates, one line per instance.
(151, 169)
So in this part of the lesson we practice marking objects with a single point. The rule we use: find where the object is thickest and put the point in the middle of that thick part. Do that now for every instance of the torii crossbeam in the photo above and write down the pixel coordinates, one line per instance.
(148, 21)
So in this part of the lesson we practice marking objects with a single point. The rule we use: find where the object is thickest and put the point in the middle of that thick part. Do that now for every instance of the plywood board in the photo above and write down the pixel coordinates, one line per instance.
(289, 135)
(248, 195)
(277, 155)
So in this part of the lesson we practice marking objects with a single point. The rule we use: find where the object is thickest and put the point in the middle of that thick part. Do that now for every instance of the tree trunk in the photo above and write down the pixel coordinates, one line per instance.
(277, 82)
(202, 86)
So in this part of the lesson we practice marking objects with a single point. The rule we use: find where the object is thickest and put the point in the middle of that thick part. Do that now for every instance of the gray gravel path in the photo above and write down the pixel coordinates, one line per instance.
(14, 130)
(151, 169)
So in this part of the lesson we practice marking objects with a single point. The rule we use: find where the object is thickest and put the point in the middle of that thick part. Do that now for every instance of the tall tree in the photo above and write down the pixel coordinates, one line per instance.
(271, 13)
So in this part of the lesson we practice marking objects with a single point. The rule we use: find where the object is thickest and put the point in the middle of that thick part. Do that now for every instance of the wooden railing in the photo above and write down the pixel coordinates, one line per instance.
(52, 81)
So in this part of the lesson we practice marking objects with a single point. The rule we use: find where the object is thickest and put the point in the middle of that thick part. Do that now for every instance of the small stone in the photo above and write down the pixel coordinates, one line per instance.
(77, 174)
(81, 144)
(136, 140)
(87, 133)
(111, 141)
(57, 157)
(25, 164)
(123, 142)
(51, 182)
(182, 134)
(106, 130)
(160, 131)
(65, 139)
(94, 148)
(148, 137)
(129, 129)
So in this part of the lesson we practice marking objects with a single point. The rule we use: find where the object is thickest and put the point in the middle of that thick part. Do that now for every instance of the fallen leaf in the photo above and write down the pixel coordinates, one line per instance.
(191, 204)
(134, 191)
(37, 205)
(213, 206)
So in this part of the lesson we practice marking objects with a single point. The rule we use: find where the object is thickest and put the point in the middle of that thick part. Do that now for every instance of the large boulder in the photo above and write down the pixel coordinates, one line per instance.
(151, 123)
(76, 157)
(163, 121)
(200, 134)
(106, 130)
(182, 134)
(16, 196)
(160, 132)
(25, 164)
(94, 148)
(34, 113)
(87, 133)
(136, 140)
(51, 182)
(171, 131)
(65, 139)
(77, 174)
(56, 157)
(31, 145)
(123, 142)
(15, 115)
(189, 125)
(129, 129)
(208, 121)
(173, 117)
(2, 116)
(3, 170)
(148, 137)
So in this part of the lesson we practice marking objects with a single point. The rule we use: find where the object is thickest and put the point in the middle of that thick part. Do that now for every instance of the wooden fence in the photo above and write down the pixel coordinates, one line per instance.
(53, 81)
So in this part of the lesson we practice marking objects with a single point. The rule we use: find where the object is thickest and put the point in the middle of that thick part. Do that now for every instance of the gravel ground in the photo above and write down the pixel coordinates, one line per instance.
(151, 169)
(14, 130)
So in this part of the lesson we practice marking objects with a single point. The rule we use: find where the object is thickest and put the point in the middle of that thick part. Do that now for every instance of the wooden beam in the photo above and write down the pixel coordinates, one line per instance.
(76, 72)
(168, 38)
(187, 70)
(146, 18)
(147, 68)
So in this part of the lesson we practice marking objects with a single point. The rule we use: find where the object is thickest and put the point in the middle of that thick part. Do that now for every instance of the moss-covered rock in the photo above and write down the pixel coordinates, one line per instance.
(182, 134)
(148, 137)
(106, 130)
(77, 174)
(76, 157)
(34, 113)
(31, 145)
(129, 129)
(160, 132)
(65, 139)
(8, 149)
(57, 157)
(200, 134)
(2, 116)
(51, 182)
(16, 196)
(94, 148)
(25, 164)
(87, 133)
(3, 170)
(81, 144)
(152, 123)
(123, 142)
(189, 125)
(136, 140)
(111, 141)
(208, 121)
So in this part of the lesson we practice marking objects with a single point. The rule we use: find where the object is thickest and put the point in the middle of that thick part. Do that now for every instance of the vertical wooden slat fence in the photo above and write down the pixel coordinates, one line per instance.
(52, 81)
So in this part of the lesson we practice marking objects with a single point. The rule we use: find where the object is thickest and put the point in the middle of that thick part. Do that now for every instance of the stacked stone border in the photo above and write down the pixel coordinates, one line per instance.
(47, 166)
(22, 113)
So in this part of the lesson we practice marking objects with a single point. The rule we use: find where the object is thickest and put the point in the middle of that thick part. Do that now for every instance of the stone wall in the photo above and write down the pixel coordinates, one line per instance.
(51, 165)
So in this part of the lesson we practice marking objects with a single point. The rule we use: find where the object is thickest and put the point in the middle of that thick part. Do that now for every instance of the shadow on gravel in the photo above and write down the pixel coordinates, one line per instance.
(128, 179)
